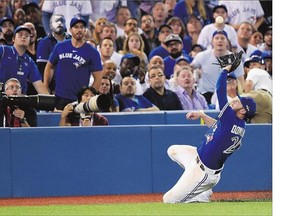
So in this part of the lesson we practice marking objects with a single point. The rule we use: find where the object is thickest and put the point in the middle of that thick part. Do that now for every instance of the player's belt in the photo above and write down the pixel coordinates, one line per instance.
(206, 169)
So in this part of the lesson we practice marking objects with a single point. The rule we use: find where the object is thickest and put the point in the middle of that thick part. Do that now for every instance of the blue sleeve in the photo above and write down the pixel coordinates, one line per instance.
(221, 89)
(43, 52)
(46, 21)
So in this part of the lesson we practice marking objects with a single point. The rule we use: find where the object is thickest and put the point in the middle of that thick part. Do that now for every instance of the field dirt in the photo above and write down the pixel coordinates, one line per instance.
(129, 198)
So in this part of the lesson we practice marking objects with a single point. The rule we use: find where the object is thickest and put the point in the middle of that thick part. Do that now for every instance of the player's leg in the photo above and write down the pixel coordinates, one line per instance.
(182, 154)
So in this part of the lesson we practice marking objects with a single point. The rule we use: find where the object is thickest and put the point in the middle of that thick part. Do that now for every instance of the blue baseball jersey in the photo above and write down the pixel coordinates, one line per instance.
(73, 67)
(225, 136)
(22, 67)
(138, 102)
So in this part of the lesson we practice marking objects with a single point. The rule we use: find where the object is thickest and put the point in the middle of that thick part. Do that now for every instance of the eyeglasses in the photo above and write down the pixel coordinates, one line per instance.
(156, 75)
(176, 44)
(13, 87)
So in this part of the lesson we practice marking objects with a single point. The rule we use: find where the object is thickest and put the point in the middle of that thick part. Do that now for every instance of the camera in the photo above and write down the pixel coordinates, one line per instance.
(39, 102)
(96, 103)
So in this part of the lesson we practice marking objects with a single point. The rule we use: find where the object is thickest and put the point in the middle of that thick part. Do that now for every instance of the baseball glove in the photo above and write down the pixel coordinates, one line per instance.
(233, 59)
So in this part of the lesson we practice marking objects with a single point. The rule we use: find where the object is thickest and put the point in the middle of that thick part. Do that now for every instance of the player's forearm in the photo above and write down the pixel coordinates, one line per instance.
(209, 121)
(48, 74)
(97, 80)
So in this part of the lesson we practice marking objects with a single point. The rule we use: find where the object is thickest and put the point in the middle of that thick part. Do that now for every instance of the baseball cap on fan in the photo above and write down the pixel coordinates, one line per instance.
(172, 37)
(77, 19)
(20, 28)
(254, 58)
(220, 32)
(134, 58)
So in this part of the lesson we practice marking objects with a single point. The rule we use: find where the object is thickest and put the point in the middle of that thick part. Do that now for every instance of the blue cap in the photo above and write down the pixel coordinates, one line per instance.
(182, 58)
(135, 58)
(266, 55)
(254, 58)
(76, 19)
(220, 32)
(256, 52)
(249, 105)
(4, 19)
(20, 28)
(231, 75)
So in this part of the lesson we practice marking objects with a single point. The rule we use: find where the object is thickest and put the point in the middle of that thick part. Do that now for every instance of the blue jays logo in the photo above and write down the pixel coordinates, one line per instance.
(77, 64)
(209, 137)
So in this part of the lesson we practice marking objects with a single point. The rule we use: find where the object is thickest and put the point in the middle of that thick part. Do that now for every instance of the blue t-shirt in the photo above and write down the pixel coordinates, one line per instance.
(225, 136)
(73, 67)
(138, 102)
(22, 67)
(160, 51)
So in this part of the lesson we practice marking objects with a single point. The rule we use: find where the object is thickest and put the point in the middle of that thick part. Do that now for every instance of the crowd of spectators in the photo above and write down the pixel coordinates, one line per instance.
(146, 55)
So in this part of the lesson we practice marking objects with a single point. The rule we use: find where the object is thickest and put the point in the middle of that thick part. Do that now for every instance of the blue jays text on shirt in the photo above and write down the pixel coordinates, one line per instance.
(247, 10)
(64, 2)
(80, 60)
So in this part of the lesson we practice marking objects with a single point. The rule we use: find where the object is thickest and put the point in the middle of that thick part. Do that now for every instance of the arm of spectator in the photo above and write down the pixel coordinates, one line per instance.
(46, 21)
(40, 87)
(248, 85)
(153, 108)
(48, 74)
(97, 75)
(64, 114)
(259, 22)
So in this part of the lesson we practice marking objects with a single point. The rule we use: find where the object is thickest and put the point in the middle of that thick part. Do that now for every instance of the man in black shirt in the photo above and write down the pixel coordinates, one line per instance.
(163, 98)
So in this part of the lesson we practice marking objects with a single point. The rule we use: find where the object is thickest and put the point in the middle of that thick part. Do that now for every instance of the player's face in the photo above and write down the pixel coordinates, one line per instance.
(58, 24)
(78, 31)
(128, 87)
(22, 38)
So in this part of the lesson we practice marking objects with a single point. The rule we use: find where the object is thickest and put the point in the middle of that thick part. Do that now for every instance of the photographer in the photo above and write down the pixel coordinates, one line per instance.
(70, 118)
(12, 115)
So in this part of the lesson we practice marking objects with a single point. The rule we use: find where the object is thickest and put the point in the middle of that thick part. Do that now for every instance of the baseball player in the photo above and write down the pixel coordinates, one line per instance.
(203, 165)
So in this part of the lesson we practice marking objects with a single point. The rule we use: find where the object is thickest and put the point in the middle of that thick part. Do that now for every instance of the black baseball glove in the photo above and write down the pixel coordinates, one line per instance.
(233, 59)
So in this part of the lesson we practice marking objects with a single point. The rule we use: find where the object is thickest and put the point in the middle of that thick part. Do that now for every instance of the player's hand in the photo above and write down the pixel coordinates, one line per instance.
(228, 67)
(194, 115)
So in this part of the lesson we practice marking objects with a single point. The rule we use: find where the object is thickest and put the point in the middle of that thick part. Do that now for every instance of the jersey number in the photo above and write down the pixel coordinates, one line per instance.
(237, 142)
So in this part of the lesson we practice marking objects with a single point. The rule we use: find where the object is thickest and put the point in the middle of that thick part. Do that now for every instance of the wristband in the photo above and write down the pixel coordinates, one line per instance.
(23, 120)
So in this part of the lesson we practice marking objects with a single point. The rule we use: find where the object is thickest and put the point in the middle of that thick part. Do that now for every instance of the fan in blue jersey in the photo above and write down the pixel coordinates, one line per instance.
(203, 165)
(47, 44)
(73, 61)
(15, 63)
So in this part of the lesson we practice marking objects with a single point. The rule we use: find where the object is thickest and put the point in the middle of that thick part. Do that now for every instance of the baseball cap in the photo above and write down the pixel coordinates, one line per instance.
(31, 4)
(20, 28)
(172, 37)
(256, 52)
(135, 58)
(163, 26)
(266, 55)
(182, 58)
(219, 6)
(220, 32)
(254, 58)
(76, 19)
(232, 76)
(249, 105)
(4, 19)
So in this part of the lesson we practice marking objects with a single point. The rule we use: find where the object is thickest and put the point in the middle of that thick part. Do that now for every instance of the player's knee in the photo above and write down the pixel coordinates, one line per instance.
(172, 151)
